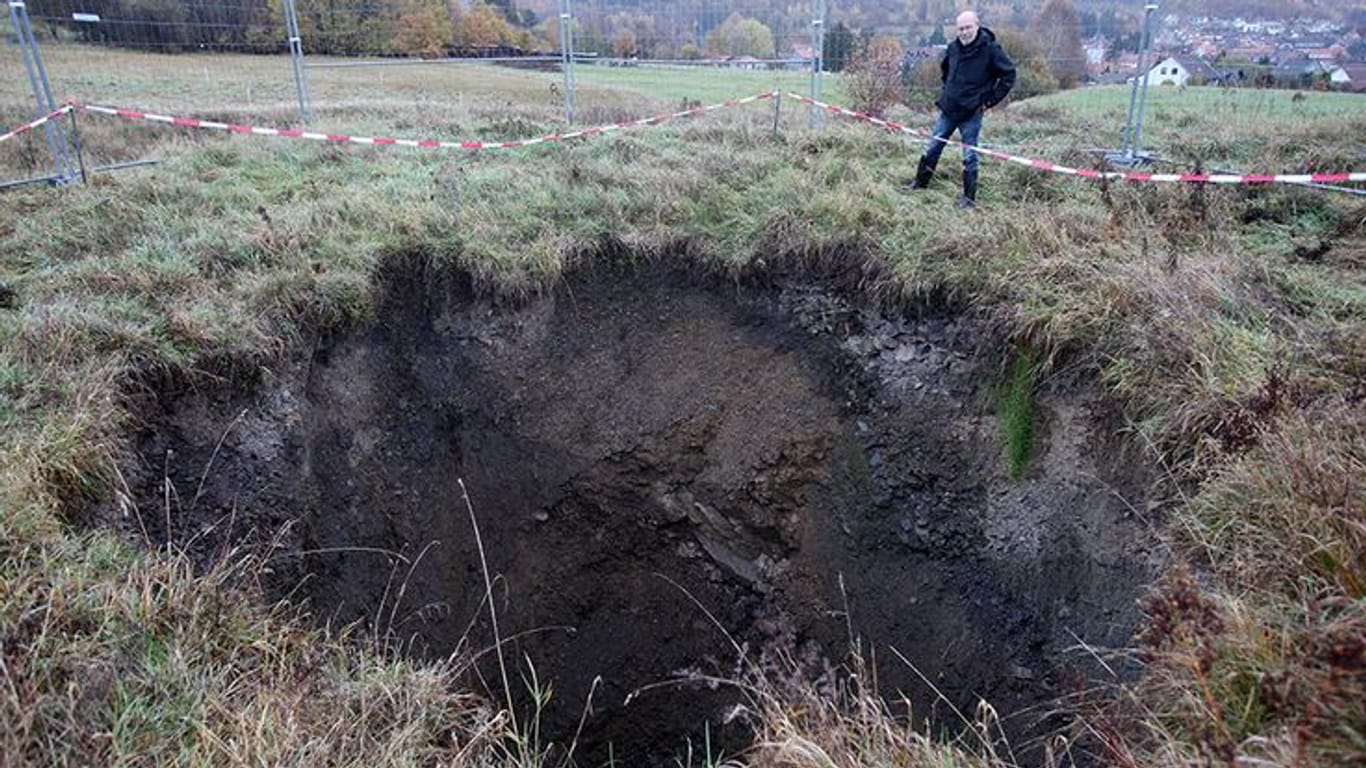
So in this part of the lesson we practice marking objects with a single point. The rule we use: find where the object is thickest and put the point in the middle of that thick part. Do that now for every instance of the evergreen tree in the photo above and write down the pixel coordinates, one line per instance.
(839, 46)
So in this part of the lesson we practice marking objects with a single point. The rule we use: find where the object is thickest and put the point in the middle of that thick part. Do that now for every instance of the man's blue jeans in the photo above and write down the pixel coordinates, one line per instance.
(944, 127)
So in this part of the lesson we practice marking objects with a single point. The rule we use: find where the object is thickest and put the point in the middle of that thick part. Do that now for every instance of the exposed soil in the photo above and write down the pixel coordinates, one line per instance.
(654, 458)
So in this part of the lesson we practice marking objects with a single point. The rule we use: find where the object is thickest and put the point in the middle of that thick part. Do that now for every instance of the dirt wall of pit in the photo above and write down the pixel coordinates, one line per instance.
(665, 466)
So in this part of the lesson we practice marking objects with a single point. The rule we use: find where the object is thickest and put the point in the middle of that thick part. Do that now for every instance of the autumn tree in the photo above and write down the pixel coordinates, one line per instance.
(740, 36)
(873, 77)
(423, 27)
(921, 80)
(548, 33)
(266, 26)
(1057, 30)
(1032, 74)
(624, 46)
(636, 28)
(482, 26)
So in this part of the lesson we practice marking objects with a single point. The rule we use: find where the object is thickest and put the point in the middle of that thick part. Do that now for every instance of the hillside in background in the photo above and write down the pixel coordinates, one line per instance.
(888, 15)
(653, 29)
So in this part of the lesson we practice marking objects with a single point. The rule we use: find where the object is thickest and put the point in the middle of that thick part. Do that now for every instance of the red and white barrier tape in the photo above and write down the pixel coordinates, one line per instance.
(1044, 165)
(418, 143)
(4, 137)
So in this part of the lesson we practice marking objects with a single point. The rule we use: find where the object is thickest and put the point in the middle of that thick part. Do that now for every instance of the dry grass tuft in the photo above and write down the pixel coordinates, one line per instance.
(836, 718)
(1300, 494)
(115, 657)
(1243, 681)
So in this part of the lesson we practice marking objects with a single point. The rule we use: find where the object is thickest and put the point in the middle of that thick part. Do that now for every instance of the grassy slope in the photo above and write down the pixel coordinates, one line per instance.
(1231, 323)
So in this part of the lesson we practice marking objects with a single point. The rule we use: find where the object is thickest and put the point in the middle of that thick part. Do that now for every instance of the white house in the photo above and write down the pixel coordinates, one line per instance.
(1351, 77)
(1168, 72)
(1178, 71)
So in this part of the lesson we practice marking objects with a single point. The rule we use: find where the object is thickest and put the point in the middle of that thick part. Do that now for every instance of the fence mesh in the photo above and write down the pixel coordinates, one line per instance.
(428, 62)
(690, 52)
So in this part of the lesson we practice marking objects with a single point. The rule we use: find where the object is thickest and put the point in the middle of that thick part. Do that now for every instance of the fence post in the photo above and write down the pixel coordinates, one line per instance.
(296, 60)
(567, 59)
(1148, 10)
(1132, 129)
(42, 92)
(817, 54)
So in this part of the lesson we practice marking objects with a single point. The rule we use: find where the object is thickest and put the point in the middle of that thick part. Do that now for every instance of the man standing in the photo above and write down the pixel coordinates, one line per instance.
(977, 75)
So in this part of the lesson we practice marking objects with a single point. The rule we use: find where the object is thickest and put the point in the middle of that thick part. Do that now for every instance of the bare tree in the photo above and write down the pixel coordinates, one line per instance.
(1057, 30)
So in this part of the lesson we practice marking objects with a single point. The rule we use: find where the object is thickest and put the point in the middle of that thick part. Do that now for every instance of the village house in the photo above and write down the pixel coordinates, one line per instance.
(1254, 52)
(1300, 73)
(1180, 71)
(743, 62)
(800, 57)
(1349, 77)
(1096, 48)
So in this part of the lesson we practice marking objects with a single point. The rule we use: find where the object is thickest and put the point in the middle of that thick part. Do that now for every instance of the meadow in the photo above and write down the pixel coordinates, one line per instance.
(1228, 326)
(263, 84)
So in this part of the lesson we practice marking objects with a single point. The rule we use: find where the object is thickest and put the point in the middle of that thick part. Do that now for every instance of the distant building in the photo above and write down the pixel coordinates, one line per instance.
(1096, 48)
(1349, 77)
(1300, 73)
(743, 62)
(1253, 52)
(1180, 70)
(800, 57)
(1125, 62)
(1206, 49)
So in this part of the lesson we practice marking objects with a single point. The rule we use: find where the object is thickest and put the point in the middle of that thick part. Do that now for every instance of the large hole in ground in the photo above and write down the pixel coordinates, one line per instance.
(657, 461)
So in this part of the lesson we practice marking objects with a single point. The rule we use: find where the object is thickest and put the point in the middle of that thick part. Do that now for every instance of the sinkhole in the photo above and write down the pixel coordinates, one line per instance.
(667, 468)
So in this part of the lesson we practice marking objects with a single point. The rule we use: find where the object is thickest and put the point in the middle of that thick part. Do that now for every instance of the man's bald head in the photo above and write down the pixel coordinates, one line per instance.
(968, 24)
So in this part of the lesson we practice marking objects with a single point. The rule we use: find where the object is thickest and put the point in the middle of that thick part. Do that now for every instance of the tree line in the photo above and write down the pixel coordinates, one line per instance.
(683, 29)
(410, 27)
(337, 27)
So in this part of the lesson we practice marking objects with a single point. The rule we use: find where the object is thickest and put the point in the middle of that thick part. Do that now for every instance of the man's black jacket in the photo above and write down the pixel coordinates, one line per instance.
(976, 76)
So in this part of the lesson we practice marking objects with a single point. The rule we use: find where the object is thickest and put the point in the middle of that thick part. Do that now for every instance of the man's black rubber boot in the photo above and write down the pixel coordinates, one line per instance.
(923, 173)
(969, 198)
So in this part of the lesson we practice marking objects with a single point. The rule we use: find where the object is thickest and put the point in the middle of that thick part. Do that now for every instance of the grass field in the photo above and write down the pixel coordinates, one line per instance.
(698, 84)
(1227, 324)
(1211, 124)
(1197, 103)
(263, 84)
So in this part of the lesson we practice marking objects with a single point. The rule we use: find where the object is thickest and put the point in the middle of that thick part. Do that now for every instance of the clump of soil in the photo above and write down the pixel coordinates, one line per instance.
(660, 465)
